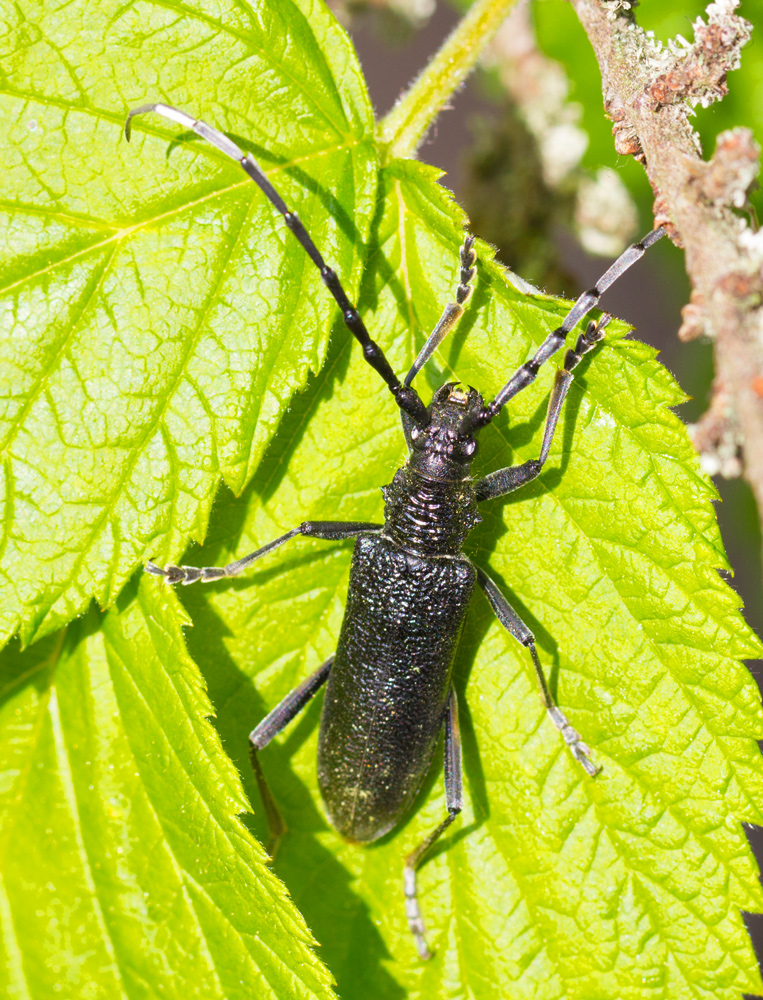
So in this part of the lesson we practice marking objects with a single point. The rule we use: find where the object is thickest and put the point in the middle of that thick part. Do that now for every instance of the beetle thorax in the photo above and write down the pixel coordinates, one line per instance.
(429, 516)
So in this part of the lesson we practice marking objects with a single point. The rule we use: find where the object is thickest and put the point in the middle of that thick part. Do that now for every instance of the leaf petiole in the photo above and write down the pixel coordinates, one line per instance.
(403, 129)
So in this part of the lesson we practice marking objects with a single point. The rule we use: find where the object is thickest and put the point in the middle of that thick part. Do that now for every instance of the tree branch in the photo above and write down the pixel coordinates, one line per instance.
(649, 92)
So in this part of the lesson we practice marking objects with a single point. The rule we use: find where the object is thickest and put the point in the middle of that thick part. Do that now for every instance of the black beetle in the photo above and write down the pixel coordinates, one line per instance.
(389, 689)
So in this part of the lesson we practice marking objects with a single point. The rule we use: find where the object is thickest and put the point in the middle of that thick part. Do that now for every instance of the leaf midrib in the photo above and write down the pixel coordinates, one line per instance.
(72, 801)
(119, 233)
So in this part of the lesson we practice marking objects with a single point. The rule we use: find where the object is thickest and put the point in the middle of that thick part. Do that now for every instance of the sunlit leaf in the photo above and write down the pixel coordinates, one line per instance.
(161, 325)
(155, 317)
(125, 869)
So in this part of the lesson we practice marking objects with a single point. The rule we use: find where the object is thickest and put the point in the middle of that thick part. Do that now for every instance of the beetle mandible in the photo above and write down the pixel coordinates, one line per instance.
(389, 689)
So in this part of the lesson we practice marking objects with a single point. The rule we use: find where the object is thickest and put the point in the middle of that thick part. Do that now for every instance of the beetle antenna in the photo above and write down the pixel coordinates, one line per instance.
(405, 395)
(453, 310)
(527, 372)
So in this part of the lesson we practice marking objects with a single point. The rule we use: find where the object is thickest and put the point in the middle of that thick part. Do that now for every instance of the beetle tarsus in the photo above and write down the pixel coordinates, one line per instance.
(276, 823)
(413, 912)
(452, 312)
(574, 741)
(185, 574)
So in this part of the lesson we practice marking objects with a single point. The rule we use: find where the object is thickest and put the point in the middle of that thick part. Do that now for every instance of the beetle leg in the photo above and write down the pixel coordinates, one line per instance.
(451, 314)
(511, 621)
(453, 801)
(329, 530)
(503, 481)
(273, 723)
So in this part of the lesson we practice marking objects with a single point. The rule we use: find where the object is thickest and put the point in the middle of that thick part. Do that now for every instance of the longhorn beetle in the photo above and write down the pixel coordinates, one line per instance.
(389, 690)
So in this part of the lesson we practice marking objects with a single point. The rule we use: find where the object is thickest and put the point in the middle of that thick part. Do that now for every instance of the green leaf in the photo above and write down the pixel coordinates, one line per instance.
(156, 318)
(125, 869)
(160, 322)
(553, 885)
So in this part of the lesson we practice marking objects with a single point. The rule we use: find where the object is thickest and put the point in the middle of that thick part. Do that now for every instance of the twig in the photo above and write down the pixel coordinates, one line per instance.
(403, 129)
(649, 92)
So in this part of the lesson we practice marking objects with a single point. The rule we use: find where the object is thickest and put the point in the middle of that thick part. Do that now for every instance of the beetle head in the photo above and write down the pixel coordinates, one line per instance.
(442, 450)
